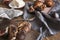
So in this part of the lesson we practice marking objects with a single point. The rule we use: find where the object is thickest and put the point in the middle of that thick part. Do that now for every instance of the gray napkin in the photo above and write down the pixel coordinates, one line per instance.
(9, 13)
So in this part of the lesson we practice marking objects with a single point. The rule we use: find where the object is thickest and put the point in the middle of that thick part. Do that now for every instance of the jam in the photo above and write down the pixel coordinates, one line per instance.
(2, 32)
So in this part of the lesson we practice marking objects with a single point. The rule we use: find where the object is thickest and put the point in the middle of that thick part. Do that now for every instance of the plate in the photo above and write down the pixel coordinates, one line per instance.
(21, 4)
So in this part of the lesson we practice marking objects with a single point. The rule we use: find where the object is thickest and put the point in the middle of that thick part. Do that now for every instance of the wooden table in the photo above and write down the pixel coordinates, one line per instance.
(32, 35)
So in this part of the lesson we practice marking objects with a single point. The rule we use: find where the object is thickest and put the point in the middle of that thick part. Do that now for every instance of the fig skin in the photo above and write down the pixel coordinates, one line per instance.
(13, 30)
(20, 35)
(6, 1)
(43, 7)
(49, 3)
(31, 9)
(23, 29)
(37, 4)
(25, 26)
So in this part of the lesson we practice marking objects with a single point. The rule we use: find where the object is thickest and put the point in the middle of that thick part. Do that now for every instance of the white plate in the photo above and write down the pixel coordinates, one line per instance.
(22, 4)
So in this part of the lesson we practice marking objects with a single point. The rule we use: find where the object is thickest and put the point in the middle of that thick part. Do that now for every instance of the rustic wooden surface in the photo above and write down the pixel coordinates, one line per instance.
(32, 35)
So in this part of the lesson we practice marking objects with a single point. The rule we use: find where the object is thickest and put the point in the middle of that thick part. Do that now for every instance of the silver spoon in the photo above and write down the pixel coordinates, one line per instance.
(40, 16)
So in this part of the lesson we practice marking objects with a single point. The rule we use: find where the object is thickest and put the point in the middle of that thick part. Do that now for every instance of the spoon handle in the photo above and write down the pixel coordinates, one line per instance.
(40, 16)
